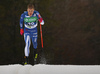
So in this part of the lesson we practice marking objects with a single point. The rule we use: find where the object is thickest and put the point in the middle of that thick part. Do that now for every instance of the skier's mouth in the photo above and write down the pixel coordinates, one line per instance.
(30, 14)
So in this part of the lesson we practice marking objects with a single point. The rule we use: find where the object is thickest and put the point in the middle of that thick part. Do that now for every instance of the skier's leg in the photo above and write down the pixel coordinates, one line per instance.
(27, 46)
(34, 41)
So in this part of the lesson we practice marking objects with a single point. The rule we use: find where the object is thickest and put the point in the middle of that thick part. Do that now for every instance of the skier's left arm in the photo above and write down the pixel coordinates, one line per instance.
(40, 19)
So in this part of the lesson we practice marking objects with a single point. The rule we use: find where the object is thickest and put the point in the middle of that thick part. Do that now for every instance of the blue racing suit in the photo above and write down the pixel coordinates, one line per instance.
(30, 29)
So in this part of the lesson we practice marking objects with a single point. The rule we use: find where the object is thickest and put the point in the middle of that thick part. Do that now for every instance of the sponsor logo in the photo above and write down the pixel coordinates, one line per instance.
(30, 19)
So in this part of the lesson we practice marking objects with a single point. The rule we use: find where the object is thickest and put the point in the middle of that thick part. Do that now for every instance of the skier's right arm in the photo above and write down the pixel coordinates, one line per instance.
(21, 24)
(21, 21)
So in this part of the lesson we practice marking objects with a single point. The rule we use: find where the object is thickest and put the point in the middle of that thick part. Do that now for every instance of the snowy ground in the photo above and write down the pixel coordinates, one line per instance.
(50, 69)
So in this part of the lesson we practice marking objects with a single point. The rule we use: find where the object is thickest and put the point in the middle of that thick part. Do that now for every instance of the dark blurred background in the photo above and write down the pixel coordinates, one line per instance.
(71, 32)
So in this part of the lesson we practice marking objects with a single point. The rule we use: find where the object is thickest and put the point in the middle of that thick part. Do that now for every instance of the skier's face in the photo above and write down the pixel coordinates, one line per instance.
(30, 11)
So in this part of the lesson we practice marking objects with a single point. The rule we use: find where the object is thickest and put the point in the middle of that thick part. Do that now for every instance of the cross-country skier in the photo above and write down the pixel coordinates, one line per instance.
(30, 19)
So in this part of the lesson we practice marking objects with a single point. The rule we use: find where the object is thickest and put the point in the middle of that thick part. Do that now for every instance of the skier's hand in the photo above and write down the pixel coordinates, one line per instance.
(21, 31)
(41, 21)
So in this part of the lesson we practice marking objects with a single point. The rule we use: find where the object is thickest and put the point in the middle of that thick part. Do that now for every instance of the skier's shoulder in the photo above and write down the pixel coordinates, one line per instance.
(25, 12)
(36, 12)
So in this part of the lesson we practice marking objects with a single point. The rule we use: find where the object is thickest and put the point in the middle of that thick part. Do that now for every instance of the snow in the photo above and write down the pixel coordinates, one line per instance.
(49, 69)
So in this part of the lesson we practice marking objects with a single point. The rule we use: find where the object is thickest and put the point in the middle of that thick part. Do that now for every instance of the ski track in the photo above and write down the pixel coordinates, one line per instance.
(49, 69)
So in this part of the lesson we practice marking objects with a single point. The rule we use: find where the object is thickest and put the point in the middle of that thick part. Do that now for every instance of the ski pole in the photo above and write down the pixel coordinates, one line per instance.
(41, 36)
(43, 60)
